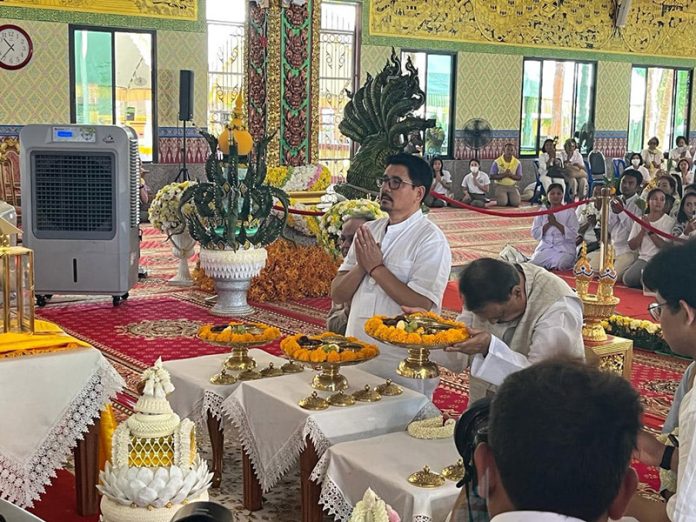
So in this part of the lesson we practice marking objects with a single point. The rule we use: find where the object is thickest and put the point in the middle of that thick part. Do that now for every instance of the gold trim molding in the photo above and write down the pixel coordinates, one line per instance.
(651, 28)
(168, 9)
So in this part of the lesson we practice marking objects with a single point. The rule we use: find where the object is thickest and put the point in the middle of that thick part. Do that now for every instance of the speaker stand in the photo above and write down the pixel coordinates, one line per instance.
(183, 174)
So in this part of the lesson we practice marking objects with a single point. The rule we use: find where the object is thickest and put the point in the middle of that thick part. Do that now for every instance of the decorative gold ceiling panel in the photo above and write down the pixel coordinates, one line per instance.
(169, 9)
(663, 27)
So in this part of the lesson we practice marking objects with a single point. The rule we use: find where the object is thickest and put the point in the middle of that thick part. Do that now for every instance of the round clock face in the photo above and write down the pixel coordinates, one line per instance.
(15, 47)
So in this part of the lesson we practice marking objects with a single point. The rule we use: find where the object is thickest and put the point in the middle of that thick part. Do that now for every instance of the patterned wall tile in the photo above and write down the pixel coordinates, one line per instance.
(372, 59)
(612, 95)
(39, 92)
(178, 50)
(489, 86)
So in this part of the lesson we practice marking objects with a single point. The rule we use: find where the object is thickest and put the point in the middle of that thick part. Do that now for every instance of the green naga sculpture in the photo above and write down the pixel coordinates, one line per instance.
(379, 116)
(234, 207)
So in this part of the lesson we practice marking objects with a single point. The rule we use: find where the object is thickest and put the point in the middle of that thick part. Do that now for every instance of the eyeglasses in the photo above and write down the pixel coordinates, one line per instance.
(394, 183)
(655, 310)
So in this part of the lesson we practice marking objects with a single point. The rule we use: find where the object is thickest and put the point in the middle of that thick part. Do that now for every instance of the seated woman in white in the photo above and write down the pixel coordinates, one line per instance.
(550, 166)
(442, 183)
(475, 186)
(685, 225)
(556, 234)
(681, 151)
(575, 169)
(646, 243)
(652, 156)
(636, 163)
(684, 172)
(668, 184)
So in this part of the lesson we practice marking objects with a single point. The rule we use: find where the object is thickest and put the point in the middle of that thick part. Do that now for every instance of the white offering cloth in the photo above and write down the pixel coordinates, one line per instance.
(47, 403)
(194, 396)
(384, 464)
(273, 428)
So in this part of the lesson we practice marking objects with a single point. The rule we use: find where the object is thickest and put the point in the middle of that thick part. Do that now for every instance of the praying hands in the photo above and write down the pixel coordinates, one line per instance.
(367, 250)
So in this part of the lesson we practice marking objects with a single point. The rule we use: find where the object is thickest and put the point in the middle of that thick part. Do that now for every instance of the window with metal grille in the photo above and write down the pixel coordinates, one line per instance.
(73, 196)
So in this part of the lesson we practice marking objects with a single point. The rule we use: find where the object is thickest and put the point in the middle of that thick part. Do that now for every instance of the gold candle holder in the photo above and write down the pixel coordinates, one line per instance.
(425, 478)
(389, 389)
(223, 377)
(249, 375)
(271, 371)
(314, 402)
(292, 367)
(341, 399)
(367, 394)
(455, 472)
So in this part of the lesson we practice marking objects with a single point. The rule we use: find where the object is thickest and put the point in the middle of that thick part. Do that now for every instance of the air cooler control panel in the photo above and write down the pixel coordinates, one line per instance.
(74, 134)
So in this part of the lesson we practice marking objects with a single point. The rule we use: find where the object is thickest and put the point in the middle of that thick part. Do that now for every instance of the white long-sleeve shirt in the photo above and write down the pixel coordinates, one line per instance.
(682, 507)
(558, 331)
(620, 225)
(553, 239)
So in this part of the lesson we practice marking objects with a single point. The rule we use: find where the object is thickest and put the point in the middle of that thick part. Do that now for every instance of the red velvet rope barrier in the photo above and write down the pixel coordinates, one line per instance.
(647, 226)
(455, 203)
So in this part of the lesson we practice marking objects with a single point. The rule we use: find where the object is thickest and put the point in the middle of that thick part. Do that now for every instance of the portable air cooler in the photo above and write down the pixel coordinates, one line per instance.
(80, 208)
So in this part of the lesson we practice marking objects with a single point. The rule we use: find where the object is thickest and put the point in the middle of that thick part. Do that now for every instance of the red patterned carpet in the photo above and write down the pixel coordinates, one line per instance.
(161, 320)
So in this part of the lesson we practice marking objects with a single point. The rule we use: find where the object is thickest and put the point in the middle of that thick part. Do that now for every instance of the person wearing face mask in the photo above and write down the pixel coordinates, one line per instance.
(518, 314)
(685, 227)
(681, 151)
(637, 164)
(645, 242)
(475, 185)
(652, 156)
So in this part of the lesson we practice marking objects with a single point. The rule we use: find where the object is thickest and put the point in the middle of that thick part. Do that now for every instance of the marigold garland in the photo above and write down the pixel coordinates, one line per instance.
(285, 276)
(238, 332)
(376, 328)
(331, 352)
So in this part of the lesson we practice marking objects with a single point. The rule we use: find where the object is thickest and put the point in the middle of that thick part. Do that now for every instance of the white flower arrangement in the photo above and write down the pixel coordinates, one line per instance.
(432, 428)
(163, 212)
(331, 222)
(305, 225)
(298, 179)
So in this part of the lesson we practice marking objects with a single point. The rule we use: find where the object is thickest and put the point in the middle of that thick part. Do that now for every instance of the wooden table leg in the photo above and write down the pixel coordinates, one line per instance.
(310, 491)
(217, 441)
(87, 472)
(252, 488)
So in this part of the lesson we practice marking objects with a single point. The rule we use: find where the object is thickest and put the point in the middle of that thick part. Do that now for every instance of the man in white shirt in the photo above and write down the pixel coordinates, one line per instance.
(400, 261)
(620, 224)
(558, 446)
(675, 308)
(519, 315)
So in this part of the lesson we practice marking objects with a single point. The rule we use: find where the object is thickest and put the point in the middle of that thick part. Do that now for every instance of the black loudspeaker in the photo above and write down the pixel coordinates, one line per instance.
(185, 95)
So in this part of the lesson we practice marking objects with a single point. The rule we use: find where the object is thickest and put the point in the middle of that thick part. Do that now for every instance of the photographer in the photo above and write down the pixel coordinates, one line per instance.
(557, 447)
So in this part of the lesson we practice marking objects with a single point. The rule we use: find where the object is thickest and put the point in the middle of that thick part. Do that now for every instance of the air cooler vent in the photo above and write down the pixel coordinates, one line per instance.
(73, 195)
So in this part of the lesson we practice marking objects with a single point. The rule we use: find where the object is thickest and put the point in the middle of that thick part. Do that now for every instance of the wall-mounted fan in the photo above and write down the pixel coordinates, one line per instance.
(477, 133)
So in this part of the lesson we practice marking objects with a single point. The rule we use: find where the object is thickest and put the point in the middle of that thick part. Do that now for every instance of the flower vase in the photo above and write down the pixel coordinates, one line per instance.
(232, 272)
(182, 248)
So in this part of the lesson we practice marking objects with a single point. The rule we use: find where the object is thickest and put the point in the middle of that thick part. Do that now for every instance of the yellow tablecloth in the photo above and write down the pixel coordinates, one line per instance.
(48, 337)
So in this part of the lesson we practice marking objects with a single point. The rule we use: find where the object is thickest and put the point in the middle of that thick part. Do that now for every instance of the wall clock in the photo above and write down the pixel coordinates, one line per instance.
(16, 47)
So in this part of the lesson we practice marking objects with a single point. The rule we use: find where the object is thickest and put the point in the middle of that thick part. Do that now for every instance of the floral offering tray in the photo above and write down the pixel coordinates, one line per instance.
(327, 347)
(425, 329)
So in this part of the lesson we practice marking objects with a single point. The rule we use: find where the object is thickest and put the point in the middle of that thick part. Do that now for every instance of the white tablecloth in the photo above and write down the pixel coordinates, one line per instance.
(47, 403)
(194, 396)
(273, 428)
(384, 463)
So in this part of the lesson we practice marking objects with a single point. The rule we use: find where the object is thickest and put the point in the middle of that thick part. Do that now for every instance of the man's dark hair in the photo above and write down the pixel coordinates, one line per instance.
(659, 274)
(690, 188)
(487, 280)
(419, 171)
(634, 173)
(562, 434)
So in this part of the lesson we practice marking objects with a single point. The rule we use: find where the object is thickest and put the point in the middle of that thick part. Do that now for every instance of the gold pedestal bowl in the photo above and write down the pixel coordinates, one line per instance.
(417, 364)
(595, 311)
(239, 360)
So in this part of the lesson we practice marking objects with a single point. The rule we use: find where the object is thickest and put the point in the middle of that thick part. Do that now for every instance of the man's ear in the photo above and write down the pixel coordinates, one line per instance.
(690, 312)
(486, 471)
(628, 487)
